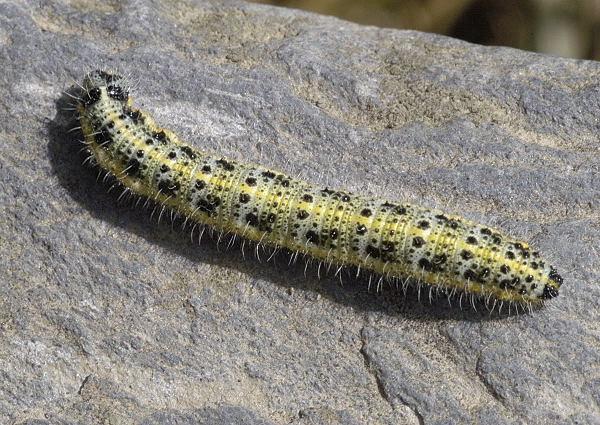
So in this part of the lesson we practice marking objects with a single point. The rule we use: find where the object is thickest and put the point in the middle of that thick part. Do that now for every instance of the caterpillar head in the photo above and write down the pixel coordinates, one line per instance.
(537, 287)
(113, 85)
(552, 285)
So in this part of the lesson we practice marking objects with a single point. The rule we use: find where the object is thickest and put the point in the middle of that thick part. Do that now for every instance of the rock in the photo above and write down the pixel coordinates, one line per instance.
(108, 317)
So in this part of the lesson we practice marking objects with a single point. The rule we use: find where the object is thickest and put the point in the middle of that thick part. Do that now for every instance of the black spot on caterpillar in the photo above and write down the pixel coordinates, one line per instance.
(394, 240)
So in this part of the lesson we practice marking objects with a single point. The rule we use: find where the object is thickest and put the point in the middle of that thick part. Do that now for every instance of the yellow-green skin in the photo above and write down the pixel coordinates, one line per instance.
(392, 239)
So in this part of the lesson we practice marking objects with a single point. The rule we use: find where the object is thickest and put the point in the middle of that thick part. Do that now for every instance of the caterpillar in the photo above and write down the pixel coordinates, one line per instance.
(394, 240)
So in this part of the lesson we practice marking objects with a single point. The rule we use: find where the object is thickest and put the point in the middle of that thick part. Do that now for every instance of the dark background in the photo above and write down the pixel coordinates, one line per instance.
(569, 28)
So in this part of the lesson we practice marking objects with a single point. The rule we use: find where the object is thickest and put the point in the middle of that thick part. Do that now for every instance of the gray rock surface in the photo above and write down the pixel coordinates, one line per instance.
(108, 317)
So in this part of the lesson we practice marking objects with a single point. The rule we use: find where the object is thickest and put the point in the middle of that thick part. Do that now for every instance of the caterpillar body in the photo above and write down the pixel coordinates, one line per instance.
(391, 239)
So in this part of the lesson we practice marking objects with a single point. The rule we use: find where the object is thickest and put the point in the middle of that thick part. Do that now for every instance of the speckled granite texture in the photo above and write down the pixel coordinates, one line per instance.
(108, 317)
